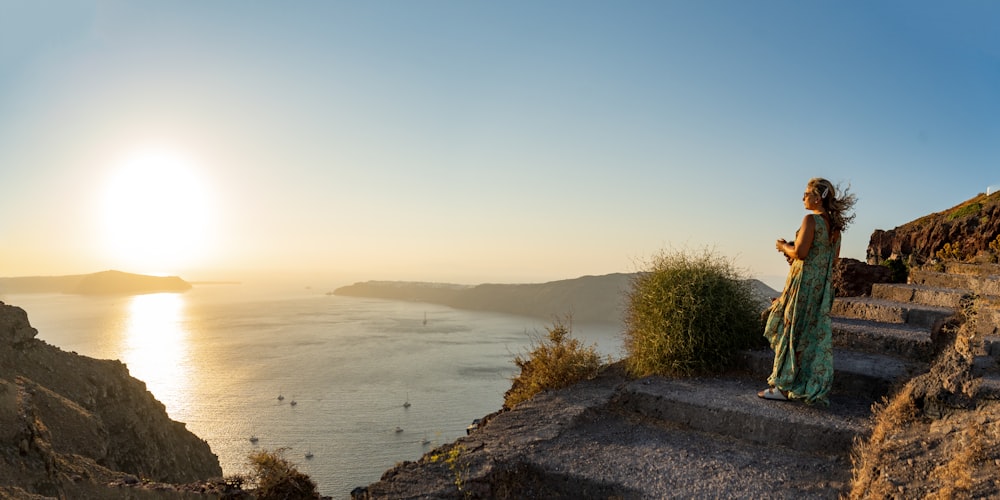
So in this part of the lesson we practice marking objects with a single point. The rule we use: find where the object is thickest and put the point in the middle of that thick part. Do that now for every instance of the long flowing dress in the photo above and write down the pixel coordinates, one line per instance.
(798, 326)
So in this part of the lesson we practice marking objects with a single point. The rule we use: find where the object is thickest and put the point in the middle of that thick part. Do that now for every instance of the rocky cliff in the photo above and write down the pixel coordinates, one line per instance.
(968, 228)
(70, 425)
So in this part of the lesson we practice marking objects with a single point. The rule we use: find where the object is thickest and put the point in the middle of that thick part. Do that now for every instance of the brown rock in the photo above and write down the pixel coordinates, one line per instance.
(853, 278)
(14, 326)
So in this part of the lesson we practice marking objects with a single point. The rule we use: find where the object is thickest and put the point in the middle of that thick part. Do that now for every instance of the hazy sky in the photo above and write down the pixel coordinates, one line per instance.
(465, 141)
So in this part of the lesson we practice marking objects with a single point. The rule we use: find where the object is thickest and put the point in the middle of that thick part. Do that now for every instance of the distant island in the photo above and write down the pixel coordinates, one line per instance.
(588, 299)
(102, 283)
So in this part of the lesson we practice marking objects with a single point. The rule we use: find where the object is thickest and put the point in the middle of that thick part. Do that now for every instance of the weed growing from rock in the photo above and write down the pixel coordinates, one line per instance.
(458, 467)
(689, 314)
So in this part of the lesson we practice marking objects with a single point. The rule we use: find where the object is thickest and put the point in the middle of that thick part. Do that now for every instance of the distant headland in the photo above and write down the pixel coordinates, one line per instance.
(586, 299)
(102, 283)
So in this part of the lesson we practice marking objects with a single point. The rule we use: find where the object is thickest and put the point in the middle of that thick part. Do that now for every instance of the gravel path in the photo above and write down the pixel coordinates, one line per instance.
(577, 443)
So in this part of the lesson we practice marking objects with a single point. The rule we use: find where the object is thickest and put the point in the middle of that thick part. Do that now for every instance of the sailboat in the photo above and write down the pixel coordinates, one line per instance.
(425, 318)
(406, 404)
(309, 455)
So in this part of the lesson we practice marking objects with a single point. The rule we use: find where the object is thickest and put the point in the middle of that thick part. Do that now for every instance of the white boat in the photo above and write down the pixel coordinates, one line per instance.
(309, 455)
(399, 429)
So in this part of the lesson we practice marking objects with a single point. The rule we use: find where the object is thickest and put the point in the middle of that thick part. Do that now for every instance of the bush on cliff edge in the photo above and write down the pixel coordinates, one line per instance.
(273, 476)
(559, 362)
(689, 314)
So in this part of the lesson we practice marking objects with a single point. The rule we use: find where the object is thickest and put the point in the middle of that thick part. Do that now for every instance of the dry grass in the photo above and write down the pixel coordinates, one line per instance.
(955, 475)
(889, 417)
(560, 361)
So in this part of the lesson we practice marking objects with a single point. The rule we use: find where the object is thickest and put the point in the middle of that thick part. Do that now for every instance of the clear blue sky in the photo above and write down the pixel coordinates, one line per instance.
(461, 141)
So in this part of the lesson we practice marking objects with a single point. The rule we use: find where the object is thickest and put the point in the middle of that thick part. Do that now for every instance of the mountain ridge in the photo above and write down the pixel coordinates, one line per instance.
(590, 298)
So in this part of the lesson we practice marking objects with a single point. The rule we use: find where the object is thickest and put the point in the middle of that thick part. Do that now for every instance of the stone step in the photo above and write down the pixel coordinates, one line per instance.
(856, 373)
(888, 311)
(972, 268)
(730, 406)
(919, 294)
(979, 284)
(991, 346)
(896, 339)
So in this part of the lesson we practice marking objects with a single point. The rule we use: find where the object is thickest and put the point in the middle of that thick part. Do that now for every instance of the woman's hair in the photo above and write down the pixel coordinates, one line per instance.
(838, 208)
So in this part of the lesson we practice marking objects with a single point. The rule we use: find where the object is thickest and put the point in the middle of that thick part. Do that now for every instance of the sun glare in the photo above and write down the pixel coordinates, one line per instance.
(156, 345)
(156, 213)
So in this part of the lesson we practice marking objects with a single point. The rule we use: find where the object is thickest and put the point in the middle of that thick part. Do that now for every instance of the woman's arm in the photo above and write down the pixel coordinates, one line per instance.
(803, 240)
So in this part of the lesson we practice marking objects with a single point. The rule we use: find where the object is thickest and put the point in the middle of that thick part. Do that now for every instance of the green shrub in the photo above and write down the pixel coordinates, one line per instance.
(276, 478)
(559, 362)
(971, 208)
(899, 272)
(689, 314)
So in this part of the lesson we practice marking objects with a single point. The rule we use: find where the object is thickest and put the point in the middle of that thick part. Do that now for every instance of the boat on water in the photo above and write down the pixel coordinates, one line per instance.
(254, 439)
(309, 455)
(426, 441)
(293, 402)
(399, 429)
(406, 404)
(280, 397)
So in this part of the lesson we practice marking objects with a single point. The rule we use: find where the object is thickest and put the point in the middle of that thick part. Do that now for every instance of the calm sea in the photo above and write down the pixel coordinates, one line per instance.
(219, 356)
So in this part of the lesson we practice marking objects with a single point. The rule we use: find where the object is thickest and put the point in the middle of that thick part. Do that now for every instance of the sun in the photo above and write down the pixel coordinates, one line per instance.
(156, 213)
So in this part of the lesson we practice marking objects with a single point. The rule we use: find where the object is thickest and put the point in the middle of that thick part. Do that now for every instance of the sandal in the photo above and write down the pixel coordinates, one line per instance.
(772, 393)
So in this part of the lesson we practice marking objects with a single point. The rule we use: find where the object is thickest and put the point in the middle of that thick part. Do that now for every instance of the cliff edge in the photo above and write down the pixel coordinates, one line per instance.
(73, 426)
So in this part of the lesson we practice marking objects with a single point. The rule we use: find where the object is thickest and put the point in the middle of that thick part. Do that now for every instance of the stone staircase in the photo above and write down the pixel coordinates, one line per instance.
(880, 342)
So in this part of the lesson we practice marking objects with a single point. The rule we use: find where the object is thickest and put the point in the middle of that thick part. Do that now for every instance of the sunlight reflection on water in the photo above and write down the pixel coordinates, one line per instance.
(155, 345)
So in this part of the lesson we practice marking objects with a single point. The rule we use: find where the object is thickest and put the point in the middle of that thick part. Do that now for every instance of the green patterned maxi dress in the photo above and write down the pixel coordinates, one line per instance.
(799, 327)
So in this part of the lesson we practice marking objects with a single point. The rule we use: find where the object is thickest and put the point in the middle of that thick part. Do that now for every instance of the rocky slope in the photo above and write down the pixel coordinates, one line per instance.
(71, 425)
(969, 227)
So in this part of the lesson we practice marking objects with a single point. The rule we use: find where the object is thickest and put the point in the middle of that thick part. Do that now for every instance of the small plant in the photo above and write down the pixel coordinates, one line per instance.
(689, 314)
(276, 478)
(949, 252)
(560, 361)
(458, 467)
(899, 273)
(995, 249)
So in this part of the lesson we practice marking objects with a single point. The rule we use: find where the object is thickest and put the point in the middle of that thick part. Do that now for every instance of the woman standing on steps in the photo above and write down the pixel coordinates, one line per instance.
(798, 325)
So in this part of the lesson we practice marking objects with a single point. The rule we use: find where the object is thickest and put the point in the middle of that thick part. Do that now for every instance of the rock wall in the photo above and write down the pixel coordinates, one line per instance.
(70, 425)
(970, 226)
